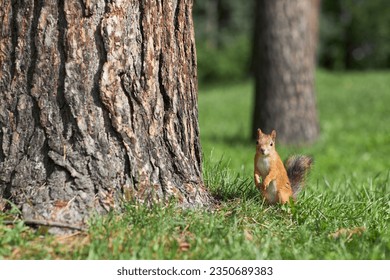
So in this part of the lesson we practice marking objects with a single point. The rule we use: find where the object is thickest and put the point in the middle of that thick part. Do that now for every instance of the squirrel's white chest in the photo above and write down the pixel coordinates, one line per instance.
(263, 165)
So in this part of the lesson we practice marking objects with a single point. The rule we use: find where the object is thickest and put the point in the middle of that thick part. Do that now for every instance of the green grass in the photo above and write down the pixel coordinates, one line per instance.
(349, 188)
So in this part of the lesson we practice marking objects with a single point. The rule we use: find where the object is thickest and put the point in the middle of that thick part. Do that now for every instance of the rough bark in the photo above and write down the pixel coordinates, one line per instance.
(98, 106)
(284, 67)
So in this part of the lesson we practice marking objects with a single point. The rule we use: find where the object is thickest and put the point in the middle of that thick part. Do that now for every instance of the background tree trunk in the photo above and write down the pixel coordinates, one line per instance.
(284, 66)
(98, 105)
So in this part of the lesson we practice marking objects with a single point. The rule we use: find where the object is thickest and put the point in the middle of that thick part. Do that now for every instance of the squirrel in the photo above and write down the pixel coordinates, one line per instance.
(280, 182)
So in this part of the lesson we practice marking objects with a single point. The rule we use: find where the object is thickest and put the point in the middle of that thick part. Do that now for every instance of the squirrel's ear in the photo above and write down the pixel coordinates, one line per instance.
(273, 134)
(259, 132)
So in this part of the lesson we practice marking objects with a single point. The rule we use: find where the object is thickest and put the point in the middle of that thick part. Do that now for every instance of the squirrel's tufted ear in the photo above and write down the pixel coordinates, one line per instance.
(273, 135)
(259, 132)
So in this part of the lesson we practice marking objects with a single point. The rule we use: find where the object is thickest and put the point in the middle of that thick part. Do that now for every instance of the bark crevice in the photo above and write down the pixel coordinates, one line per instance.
(176, 15)
(164, 93)
(2, 155)
(68, 121)
(31, 70)
(128, 166)
(33, 47)
(87, 10)
(95, 92)
(142, 43)
(14, 37)
(36, 110)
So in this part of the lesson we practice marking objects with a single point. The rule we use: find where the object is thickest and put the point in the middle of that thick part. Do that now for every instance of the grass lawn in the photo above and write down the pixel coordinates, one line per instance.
(344, 212)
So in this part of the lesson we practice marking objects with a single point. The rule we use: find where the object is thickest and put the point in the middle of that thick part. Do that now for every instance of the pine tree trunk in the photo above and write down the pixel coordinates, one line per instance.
(284, 66)
(98, 106)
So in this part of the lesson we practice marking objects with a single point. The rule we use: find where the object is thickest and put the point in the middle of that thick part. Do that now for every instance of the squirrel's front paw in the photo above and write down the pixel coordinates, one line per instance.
(266, 183)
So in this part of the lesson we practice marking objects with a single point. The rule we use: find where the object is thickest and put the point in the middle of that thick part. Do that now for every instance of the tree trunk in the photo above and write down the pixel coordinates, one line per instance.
(98, 106)
(284, 66)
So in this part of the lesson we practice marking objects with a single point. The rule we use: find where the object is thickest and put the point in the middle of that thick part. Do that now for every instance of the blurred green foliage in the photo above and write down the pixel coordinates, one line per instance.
(354, 34)
(227, 63)
(222, 29)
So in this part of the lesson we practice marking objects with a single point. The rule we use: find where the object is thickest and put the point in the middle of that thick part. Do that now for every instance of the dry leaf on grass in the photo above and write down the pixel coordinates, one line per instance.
(248, 235)
(182, 240)
(184, 246)
(348, 232)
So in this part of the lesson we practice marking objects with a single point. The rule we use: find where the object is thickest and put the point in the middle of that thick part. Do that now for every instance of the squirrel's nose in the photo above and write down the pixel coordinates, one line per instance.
(262, 150)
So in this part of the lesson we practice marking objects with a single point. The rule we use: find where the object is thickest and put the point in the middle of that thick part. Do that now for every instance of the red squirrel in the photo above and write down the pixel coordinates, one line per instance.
(279, 182)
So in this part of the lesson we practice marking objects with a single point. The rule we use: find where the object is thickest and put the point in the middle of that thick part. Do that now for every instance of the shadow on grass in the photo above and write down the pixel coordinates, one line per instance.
(224, 185)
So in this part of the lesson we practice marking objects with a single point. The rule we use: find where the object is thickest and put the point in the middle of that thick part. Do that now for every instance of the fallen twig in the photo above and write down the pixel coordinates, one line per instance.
(46, 223)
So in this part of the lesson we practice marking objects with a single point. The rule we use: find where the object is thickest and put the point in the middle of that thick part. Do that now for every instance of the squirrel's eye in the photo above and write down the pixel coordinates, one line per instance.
(271, 144)
(257, 142)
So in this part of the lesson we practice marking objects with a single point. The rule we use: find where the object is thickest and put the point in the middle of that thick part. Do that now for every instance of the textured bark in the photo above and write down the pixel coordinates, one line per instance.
(98, 106)
(284, 66)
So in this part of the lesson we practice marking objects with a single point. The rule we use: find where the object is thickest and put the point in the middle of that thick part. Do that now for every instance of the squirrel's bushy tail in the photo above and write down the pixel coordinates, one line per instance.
(297, 167)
